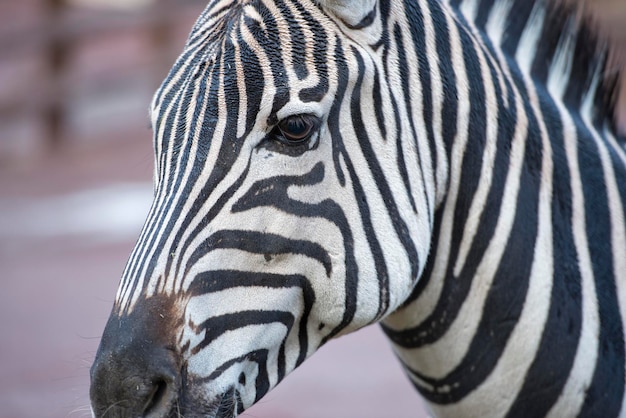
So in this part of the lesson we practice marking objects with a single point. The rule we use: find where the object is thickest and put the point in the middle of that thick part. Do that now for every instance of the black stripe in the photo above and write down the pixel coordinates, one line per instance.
(320, 57)
(546, 48)
(269, 40)
(484, 10)
(515, 24)
(261, 383)
(217, 280)
(604, 395)
(215, 326)
(255, 84)
(260, 243)
(448, 77)
(297, 40)
(343, 77)
(412, 135)
(551, 367)
(378, 105)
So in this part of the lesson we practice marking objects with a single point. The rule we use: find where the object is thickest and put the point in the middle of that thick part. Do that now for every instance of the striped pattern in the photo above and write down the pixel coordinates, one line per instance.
(461, 182)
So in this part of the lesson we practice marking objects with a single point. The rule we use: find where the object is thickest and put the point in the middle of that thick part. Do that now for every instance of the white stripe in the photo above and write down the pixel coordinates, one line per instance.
(498, 16)
(469, 9)
(527, 46)
(561, 67)
(581, 373)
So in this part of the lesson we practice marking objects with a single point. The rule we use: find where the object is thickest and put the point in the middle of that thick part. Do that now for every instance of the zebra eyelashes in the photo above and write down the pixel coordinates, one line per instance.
(293, 135)
(296, 129)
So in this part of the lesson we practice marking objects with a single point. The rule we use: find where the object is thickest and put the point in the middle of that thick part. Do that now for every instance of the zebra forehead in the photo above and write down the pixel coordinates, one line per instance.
(220, 18)
(217, 15)
(237, 34)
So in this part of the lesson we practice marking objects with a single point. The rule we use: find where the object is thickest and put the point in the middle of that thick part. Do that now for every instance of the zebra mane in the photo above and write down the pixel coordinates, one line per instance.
(567, 45)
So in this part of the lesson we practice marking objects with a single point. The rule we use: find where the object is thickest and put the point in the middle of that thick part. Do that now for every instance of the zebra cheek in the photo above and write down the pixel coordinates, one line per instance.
(244, 326)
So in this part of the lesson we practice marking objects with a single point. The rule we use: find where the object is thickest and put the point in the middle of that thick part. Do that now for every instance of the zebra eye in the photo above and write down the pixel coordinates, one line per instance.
(297, 129)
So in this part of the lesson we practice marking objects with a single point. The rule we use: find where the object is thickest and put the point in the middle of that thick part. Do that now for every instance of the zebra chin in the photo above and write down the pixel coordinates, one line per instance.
(226, 405)
(168, 402)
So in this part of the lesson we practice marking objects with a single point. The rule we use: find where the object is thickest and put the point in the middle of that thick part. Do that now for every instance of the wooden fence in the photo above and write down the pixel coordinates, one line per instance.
(40, 41)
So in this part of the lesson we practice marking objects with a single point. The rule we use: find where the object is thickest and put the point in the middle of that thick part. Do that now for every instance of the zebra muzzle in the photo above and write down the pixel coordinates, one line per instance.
(132, 386)
(135, 372)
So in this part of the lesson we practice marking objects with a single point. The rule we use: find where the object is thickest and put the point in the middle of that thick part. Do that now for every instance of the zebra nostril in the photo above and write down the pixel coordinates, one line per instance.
(160, 400)
(136, 372)
(127, 383)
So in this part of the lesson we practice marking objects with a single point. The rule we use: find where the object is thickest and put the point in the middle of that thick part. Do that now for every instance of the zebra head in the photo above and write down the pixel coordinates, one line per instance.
(289, 185)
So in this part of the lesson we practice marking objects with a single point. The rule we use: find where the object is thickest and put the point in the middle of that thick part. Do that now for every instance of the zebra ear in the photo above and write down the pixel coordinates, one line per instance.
(356, 14)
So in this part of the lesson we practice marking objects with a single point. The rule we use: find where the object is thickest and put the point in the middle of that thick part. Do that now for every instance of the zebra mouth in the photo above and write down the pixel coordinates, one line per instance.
(227, 405)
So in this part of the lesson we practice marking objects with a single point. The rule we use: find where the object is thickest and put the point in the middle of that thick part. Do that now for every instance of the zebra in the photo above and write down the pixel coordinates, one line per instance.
(448, 169)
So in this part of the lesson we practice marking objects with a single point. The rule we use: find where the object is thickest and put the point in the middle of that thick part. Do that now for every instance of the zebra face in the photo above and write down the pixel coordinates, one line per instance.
(259, 246)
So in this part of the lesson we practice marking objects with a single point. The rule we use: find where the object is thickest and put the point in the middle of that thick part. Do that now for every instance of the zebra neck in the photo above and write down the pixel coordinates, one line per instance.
(525, 89)
(554, 43)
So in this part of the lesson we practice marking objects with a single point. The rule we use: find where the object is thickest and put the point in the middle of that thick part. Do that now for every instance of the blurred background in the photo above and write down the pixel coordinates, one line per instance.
(76, 78)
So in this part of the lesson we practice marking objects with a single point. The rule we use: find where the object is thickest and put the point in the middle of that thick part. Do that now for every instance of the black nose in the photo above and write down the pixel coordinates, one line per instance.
(133, 374)
(128, 385)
